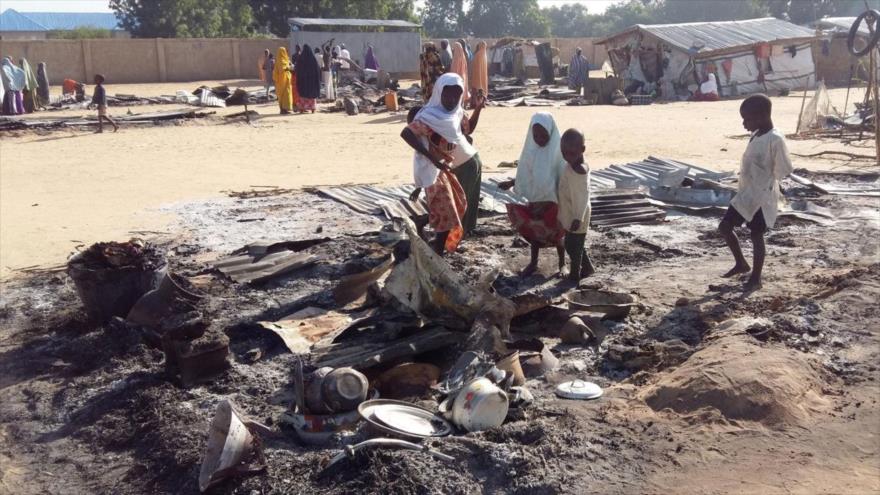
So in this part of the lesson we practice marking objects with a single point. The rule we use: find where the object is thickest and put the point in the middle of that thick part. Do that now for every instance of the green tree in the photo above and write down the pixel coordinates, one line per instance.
(80, 33)
(273, 14)
(675, 11)
(495, 18)
(185, 18)
(443, 18)
(806, 11)
(570, 21)
(620, 16)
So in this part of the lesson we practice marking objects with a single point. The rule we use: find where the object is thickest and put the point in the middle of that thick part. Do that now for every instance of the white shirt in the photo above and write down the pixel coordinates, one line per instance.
(574, 199)
(344, 54)
(764, 163)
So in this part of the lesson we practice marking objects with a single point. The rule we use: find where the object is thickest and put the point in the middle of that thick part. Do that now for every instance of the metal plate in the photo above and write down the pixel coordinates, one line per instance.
(403, 419)
(410, 420)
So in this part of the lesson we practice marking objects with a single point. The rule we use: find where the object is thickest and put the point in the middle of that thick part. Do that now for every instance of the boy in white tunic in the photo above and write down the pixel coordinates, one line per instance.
(764, 163)
(574, 203)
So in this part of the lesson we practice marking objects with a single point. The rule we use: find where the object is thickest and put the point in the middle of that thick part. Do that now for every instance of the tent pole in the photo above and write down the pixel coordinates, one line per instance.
(876, 106)
(848, 86)
(803, 102)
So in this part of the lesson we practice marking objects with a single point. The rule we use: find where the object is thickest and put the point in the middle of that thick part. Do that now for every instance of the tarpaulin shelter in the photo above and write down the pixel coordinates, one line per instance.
(756, 55)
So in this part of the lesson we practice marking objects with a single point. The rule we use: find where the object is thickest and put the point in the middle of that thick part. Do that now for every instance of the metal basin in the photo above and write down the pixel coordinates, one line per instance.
(613, 304)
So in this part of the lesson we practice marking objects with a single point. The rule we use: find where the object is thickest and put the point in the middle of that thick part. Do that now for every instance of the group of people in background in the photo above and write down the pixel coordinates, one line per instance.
(471, 66)
(21, 89)
(298, 77)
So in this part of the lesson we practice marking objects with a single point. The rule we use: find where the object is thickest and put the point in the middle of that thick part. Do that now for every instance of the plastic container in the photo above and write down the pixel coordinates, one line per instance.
(391, 101)
(109, 292)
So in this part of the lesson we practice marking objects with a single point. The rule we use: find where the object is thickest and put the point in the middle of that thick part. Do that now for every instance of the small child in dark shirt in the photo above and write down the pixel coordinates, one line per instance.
(99, 99)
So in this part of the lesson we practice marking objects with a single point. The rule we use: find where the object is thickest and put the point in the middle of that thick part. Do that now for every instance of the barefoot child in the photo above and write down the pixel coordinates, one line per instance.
(764, 163)
(537, 180)
(99, 99)
(574, 204)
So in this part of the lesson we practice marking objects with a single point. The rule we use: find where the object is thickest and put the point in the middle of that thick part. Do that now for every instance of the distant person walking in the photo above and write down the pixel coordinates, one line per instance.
(282, 76)
(268, 71)
(99, 99)
(13, 81)
(308, 81)
(578, 71)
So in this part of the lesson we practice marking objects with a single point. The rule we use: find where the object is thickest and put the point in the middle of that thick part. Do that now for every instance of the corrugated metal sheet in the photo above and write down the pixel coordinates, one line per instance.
(12, 20)
(209, 99)
(304, 21)
(707, 37)
(255, 269)
(372, 200)
(73, 20)
(621, 194)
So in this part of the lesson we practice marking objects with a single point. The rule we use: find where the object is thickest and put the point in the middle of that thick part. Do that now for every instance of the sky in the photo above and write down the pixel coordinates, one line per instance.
(594, 6)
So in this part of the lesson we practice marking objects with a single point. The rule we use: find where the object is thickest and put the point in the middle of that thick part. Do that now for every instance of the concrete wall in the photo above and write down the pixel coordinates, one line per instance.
(181, 60)
(22, 35)
(144, 60)
(396, 52)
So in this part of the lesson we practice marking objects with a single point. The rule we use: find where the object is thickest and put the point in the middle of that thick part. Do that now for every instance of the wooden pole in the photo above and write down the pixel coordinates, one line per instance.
(803, 102)
(876, 106)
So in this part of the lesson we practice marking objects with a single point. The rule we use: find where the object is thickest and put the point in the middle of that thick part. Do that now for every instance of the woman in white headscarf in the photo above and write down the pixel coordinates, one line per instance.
(436, 136)
(537, 179)
(708, 90)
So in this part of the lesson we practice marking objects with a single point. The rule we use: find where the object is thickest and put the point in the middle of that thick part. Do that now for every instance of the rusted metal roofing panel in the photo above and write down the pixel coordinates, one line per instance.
(367, 199)
(707, 37)
(254, 269)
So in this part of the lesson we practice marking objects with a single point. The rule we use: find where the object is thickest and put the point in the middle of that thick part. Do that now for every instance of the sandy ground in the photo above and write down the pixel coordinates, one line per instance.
(773, 392)
(60, 190)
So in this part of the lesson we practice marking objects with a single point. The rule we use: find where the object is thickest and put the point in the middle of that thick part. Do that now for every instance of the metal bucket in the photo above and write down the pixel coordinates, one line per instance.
(109, 292)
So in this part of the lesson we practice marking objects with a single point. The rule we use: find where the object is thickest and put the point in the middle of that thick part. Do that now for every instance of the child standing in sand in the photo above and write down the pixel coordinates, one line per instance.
(574, 204)
(99, 99)
(764, 163)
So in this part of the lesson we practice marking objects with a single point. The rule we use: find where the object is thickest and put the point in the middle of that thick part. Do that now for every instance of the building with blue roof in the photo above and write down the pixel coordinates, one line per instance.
(15, 25)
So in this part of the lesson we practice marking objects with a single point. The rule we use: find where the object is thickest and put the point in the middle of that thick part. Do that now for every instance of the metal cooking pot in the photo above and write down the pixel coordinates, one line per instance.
(480, 405)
